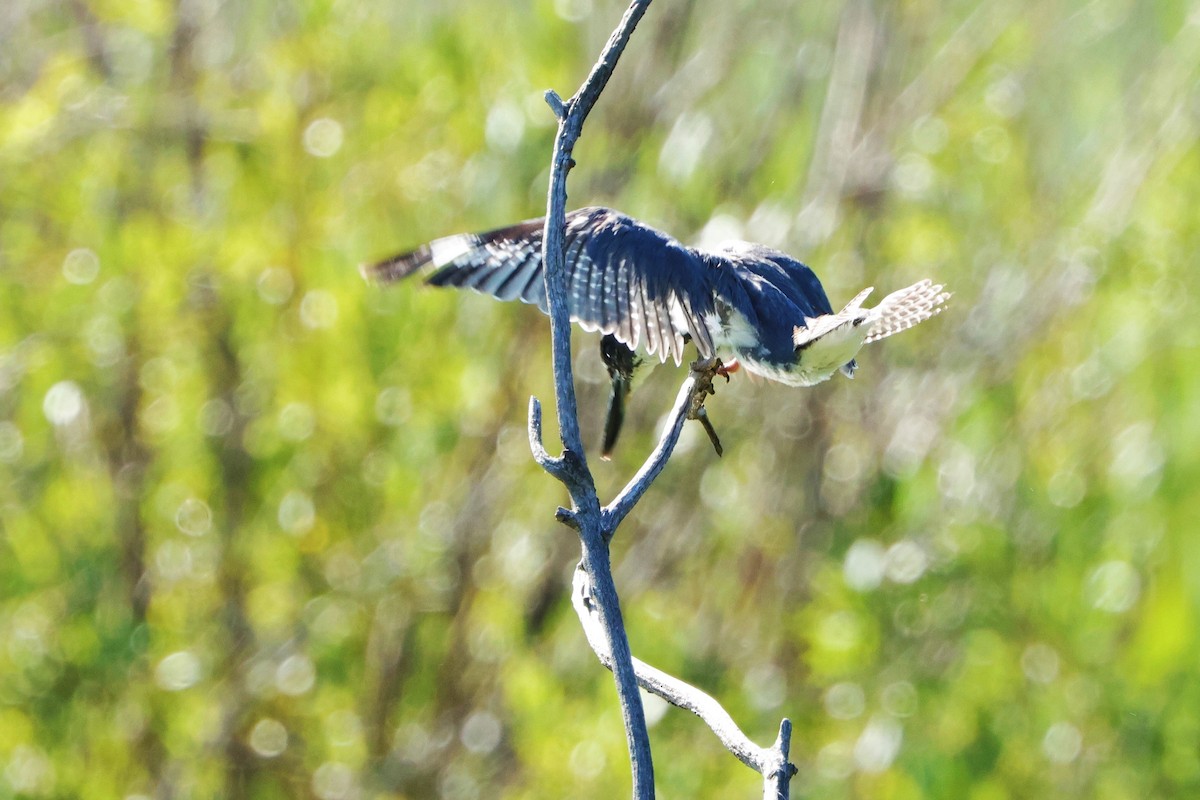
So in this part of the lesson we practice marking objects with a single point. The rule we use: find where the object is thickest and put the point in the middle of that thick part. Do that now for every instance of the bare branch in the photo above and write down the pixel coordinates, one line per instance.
(571, 468)
(596, 599)
(689, 404)
(555, 466)
(772, 763)
(571, 116)
(624, 502)
(777, 772)
(556, 104)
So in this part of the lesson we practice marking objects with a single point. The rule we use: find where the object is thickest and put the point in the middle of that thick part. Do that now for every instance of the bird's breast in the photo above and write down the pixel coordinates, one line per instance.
(730, 328)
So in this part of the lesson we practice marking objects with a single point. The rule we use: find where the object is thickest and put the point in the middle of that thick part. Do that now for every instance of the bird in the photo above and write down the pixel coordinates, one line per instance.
(649, 295)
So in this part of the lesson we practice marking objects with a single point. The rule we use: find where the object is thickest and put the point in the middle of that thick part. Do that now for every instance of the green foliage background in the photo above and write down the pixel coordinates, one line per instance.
(266, 531)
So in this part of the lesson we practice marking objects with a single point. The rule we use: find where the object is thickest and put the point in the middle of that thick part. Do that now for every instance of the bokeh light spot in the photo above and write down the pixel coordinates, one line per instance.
(573, 10)
(334, 781)
(81, 266)
(845, 700)
(655, 708)
(177, 671)
(63, 403)
(295, 675)
(900, 699)
(275, 285)
(906, 561)
(1113, 586)
(323, 137)
(393, 406)
(297, 421)
(1062, 743)
(296, 513)
(505, 126)
(268, 738)
(587, 759)
(766, 686)
(835, 761)
(1039, 662)
(864, 567)
(12, 444)
(194, 517)
(318, 309)
(481, 732)
(878, 745)
(29, 771)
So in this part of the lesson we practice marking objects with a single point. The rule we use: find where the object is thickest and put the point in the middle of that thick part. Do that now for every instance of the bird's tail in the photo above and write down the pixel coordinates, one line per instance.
(902, 309)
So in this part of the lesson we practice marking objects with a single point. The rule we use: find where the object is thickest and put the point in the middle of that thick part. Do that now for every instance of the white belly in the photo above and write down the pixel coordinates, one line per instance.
(815, 363)
(827, 355)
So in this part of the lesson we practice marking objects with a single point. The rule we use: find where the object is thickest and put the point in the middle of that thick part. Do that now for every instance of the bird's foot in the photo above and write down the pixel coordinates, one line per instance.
(703, 371)
(727, 368)
(708, 367)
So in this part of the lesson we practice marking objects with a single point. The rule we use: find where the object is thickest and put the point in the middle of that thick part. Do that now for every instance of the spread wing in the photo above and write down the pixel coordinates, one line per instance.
(623, 277)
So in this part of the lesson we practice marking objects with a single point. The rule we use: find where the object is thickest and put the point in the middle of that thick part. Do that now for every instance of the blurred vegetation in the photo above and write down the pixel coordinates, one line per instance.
(266, 531)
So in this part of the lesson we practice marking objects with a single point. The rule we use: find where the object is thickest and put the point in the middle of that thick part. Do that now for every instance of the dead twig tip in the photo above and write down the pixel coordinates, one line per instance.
(556, 104)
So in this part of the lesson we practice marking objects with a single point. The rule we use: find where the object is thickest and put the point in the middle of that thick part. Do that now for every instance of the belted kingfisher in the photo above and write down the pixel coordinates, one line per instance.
(644, 290)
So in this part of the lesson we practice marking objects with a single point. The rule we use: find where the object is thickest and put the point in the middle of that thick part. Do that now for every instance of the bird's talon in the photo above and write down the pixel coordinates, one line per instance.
(727, 369)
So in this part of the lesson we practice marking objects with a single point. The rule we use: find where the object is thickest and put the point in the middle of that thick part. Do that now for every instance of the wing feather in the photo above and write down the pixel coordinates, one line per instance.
(610, 319)
(666, 330)
(624, 278)
(621, 304)
(636, 313)
(650, 322)
(579, 275)
(512, 285)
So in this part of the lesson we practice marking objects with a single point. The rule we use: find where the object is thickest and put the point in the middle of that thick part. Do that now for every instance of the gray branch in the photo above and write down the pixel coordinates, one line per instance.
(689, 404)
(597, 603)
(624, 502)
(772, 763)
(571, 468)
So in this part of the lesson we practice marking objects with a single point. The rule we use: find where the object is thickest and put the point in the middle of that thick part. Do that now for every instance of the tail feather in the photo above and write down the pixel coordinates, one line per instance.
(903, 309)
(856, 301)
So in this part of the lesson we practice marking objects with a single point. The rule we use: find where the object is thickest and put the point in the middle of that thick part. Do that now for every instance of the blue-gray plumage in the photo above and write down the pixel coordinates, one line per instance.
(645, 291)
